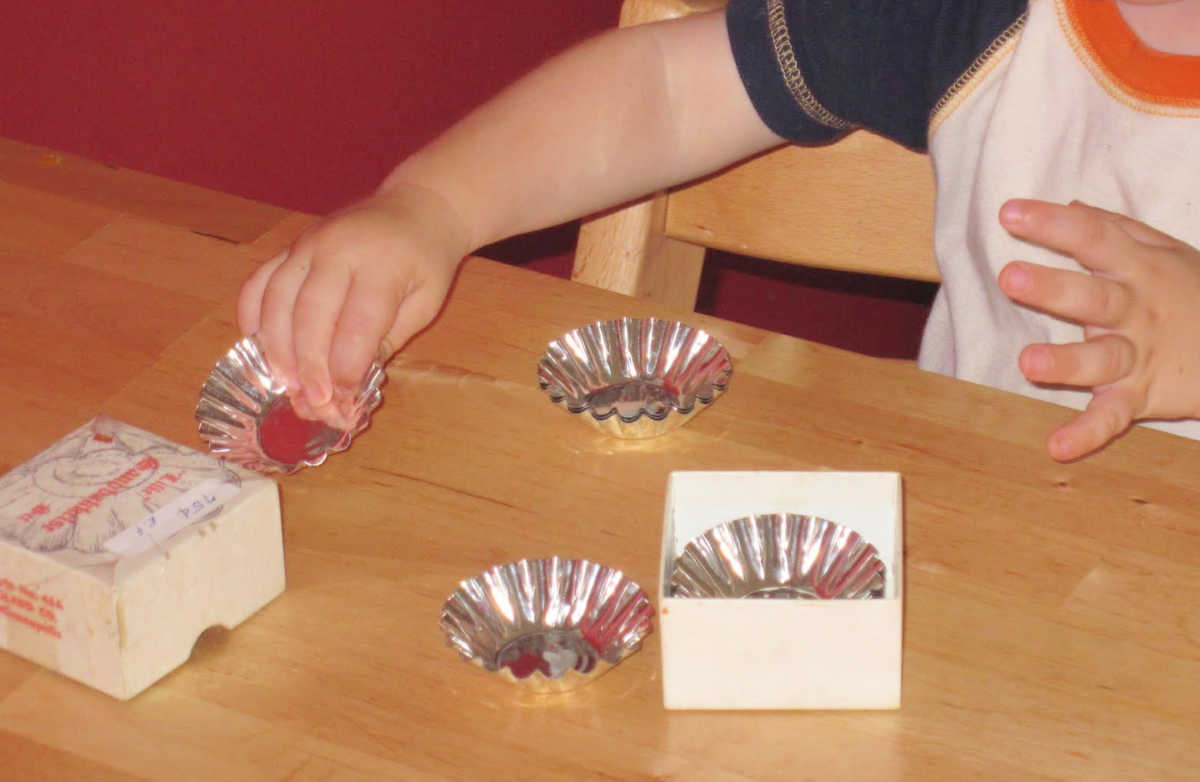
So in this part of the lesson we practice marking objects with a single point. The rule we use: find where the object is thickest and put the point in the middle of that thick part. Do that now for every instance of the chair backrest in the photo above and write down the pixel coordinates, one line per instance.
(863, 204)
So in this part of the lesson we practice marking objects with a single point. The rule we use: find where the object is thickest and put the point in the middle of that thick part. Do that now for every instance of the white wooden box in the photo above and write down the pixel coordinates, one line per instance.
(118, 548)
(783, 654)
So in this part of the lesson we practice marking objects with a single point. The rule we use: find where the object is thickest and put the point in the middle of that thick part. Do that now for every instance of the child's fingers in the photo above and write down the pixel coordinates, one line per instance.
(369, 309)
(1110, 413)
(328, 413)
(302, 408)
(1091, 236)
(1076, 296)
(278, 305)
(416, 312)
(1136, 229)
(319, 301)
(1097, 362)
(249, 305)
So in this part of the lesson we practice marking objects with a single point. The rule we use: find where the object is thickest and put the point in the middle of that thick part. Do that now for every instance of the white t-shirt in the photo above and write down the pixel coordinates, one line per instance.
(1072, 107)
(1050, 99)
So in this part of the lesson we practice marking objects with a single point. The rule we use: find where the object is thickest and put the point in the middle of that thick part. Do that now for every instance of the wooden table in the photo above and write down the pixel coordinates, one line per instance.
(1052, 617)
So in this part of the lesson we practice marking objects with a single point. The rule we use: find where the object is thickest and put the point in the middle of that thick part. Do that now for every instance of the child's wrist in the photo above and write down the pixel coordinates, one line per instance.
(429, 209)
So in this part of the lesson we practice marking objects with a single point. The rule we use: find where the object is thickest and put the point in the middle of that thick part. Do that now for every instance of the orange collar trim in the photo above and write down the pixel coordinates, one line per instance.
(1144, 73)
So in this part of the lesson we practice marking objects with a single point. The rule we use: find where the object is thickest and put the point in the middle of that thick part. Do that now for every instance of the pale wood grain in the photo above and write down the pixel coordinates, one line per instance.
(1052, 628)
(37, 221)
(204, 211)
(118, 249)
(627, 251)
(71, 337)
(643, 11)
(862, 204)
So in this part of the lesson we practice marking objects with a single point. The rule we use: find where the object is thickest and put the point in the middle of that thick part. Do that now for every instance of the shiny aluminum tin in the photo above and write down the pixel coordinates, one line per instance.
(245, 415)
(549, 624)
(635, 378)
(779, 556)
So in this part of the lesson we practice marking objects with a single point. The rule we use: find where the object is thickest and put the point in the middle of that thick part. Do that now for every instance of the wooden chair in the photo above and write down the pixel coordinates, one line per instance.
(863, 204)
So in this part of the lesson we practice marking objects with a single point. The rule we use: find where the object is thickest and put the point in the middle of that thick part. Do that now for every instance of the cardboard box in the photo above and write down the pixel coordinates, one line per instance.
(783, 654)
(118, 548)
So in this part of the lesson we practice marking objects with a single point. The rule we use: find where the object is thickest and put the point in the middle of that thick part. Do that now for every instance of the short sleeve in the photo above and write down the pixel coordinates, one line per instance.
(815, 69)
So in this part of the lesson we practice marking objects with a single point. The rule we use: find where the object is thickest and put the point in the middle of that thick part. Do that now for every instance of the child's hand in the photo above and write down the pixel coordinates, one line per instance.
(352, 289)
(1140, 309)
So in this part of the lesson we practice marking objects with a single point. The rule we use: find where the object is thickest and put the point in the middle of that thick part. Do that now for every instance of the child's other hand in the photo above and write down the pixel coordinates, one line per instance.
(354, 288)
(1140, 309)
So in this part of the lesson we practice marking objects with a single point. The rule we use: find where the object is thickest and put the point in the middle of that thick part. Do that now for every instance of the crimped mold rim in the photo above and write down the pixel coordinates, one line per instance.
(627, 595)
(238, 429)
(703, 397)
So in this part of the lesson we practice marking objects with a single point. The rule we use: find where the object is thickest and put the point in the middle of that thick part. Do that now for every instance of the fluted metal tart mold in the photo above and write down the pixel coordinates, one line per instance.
(246, 417)
(778, 555)
(635, 378)
(549, 624)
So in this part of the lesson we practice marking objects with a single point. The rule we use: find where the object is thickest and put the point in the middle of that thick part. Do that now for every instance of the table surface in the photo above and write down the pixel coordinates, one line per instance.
(1052, 617)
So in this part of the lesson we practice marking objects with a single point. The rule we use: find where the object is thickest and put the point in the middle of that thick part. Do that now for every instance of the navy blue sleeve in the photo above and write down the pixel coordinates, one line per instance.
(815, 69)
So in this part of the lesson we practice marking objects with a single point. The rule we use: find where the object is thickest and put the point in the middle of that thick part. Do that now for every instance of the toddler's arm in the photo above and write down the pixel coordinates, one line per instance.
(1138, 307)
(624, 114)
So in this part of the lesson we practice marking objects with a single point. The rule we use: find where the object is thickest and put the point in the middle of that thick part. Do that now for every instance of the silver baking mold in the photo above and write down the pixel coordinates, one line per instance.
(246, 417)
(635, 377)
(779, 555)
(549, 624)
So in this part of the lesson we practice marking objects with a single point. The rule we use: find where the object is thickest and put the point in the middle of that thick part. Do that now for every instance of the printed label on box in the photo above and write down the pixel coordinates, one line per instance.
(102, 481)
(187, 508)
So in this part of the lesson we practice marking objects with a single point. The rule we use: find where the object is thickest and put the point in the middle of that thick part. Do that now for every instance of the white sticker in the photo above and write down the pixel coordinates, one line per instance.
(187, 508)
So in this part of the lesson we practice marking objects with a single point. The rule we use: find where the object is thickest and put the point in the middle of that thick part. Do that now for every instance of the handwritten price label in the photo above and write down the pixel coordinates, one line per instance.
(187, 508)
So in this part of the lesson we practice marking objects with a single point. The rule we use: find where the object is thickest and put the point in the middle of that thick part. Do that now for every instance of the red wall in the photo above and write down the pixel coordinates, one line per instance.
(304, 104)
(308, 104)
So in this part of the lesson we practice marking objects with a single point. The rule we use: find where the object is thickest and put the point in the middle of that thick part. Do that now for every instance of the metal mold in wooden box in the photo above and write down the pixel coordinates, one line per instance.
(738, 653)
